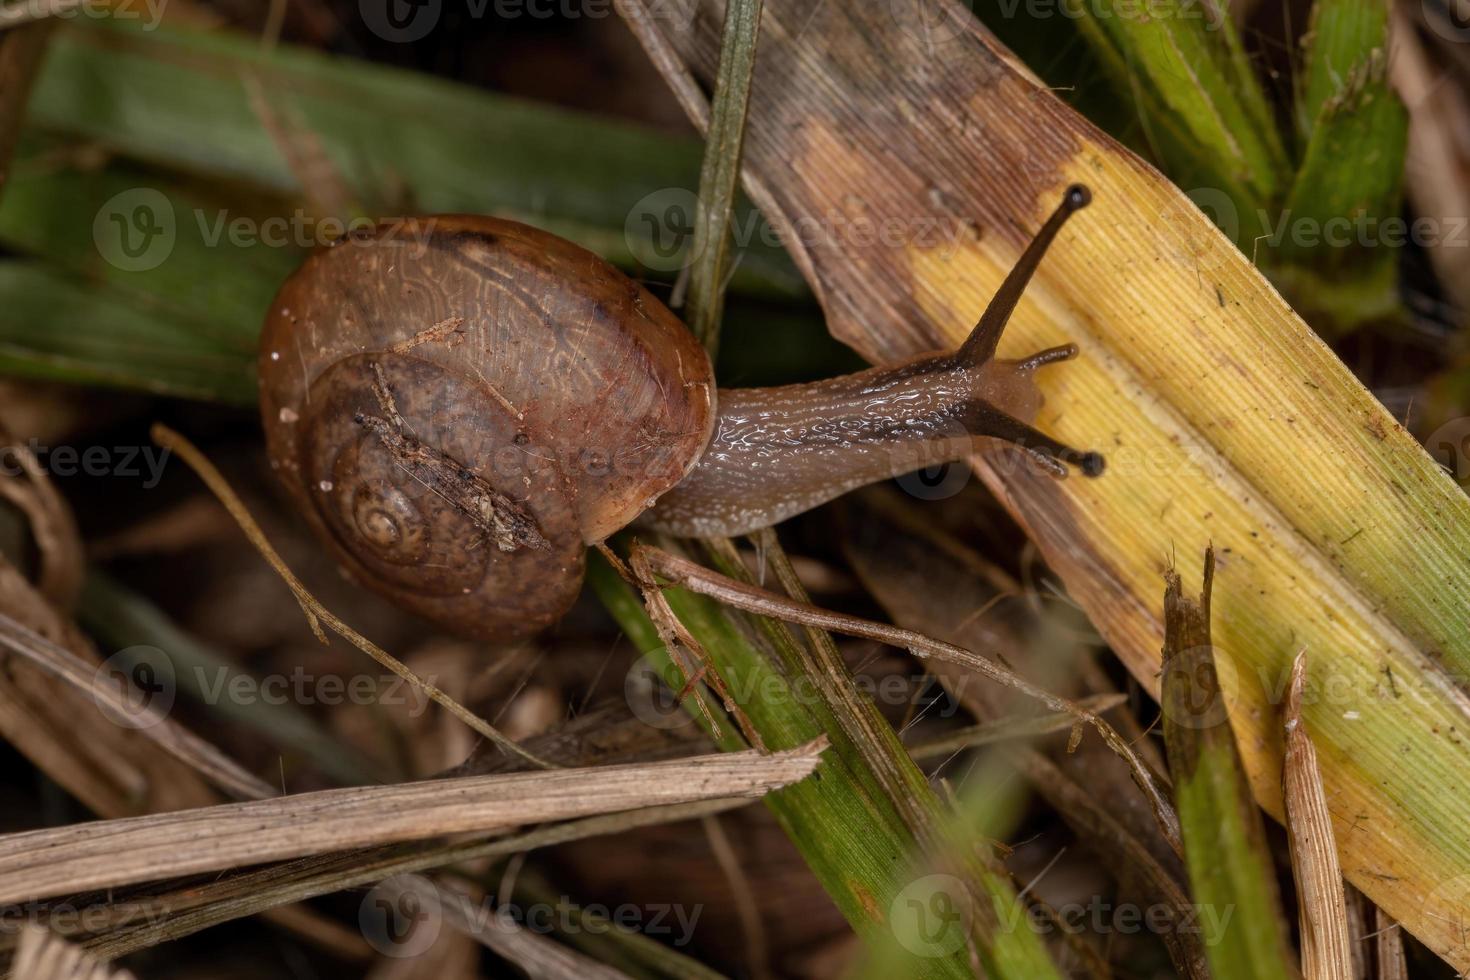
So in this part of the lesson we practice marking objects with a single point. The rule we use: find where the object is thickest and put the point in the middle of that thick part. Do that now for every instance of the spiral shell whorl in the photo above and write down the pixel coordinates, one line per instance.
(419, 521)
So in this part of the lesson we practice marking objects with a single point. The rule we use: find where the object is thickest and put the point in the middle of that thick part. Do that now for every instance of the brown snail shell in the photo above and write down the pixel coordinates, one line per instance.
(462, 404)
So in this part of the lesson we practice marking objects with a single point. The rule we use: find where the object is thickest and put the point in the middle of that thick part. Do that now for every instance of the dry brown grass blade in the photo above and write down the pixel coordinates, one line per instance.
(173, 738)
(696, 578)
(51, 523)
(189, 910)
(1326, 949)
(43, 955)
(109, 853)
(56, 722)
(1358, 913)
(63, 712)
(1388, 947)
(315, 612)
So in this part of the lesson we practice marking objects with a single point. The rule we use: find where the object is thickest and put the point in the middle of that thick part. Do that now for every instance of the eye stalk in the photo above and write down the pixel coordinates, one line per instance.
(981, 344)
(978, 350)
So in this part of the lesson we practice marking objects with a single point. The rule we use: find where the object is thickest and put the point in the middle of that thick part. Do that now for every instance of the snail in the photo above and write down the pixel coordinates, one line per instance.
(461, 405)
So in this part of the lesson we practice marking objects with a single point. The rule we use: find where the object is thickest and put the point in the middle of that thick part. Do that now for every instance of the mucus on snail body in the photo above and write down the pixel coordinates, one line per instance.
(461, 405)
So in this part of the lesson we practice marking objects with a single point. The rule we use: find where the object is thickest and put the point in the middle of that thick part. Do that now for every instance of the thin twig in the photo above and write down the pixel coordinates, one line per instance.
(675, 635)
(1389, 947)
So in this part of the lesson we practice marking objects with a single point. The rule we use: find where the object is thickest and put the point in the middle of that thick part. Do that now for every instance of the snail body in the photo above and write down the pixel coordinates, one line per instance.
(460, 405)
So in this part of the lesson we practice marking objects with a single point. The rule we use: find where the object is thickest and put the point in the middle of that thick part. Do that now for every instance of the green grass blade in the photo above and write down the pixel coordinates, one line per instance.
(166, 245)
(197, 220)
(1230, 871)
(1202, 105)
(1337, 48)
(60, 329)
(720, 174)
(1338, 250)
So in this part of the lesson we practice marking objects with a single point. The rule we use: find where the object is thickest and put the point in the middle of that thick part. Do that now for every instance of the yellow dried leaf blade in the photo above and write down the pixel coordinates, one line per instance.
(906, 169)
